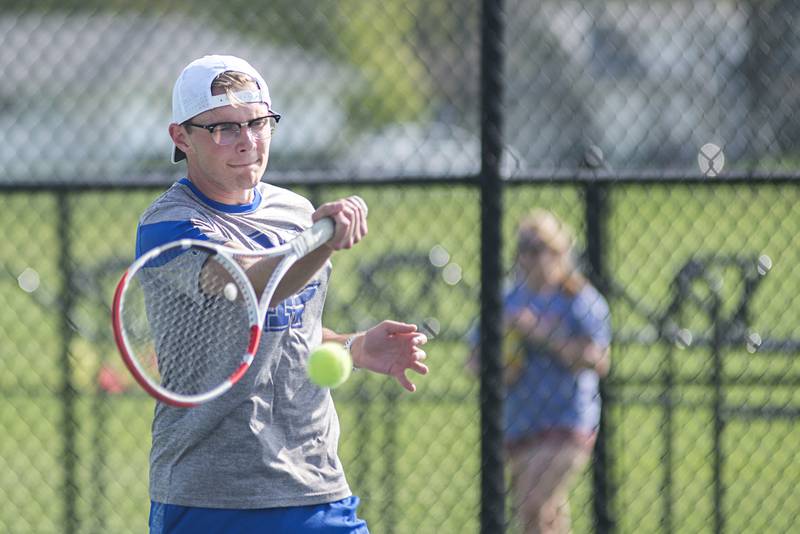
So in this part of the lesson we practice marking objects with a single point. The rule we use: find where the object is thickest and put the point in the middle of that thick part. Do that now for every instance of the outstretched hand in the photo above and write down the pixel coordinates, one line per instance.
(391, 348)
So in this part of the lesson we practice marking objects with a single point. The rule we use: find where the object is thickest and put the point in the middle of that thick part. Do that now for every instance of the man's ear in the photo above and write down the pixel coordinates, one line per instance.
(180, 136)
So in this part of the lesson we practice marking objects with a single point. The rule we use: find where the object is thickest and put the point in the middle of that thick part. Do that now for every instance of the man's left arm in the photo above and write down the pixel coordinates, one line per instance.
(390, 348)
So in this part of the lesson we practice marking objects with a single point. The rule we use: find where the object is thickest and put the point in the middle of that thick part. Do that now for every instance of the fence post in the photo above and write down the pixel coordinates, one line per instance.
(718, 405)
(596, 219)
(67, 388)
(668, 429)
(492, 515)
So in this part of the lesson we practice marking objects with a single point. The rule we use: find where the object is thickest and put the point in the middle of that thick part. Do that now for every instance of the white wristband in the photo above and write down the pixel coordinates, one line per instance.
(348, 343)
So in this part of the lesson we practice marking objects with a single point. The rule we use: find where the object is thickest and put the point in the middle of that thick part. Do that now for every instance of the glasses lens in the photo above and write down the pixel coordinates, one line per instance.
(532, 246)
(225, 134)
(263, 128)
(259, 128)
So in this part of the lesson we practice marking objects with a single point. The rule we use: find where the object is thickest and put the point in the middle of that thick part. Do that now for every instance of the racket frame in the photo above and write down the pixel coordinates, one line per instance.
(304, 243)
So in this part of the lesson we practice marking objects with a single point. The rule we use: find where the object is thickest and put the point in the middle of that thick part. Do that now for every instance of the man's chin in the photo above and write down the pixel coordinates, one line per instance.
(252, 177)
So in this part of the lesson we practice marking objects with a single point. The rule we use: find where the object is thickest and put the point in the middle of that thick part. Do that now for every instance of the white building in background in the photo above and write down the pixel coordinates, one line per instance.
(86, 98)
(647, 82)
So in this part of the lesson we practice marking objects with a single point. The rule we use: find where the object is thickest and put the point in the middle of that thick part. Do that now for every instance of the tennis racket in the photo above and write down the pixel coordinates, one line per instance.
(186, 318)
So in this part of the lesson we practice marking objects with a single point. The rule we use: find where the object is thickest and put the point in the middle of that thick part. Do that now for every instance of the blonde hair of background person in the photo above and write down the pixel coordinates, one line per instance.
(557, 236)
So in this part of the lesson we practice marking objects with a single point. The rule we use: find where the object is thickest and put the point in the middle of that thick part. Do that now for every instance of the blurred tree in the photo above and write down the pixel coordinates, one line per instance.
(448, 42)
(378, 37)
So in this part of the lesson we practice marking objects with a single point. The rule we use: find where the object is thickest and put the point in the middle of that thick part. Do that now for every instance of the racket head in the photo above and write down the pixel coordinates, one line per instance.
(181, 315)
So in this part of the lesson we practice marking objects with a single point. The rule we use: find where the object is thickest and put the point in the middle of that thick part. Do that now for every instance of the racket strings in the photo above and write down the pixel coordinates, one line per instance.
(186, 323)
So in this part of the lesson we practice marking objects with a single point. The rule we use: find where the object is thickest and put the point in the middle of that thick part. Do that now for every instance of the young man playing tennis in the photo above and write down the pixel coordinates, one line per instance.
(263, 457)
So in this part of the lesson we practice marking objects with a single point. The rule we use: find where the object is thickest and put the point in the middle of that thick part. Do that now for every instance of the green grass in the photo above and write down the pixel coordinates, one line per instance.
(414, 459)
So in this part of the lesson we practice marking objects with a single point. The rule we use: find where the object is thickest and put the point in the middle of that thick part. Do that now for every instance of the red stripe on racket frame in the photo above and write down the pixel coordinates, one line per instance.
(126, 357)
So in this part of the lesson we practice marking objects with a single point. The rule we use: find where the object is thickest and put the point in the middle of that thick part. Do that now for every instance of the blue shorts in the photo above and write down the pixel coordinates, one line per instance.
(336, 517)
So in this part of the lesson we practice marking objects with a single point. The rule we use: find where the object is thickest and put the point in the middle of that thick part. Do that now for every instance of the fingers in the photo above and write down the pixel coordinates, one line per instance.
(356, 209)
(395, 327)
(417, 367)
(361, 204)
(415, 364)
(350, 219)
(406, 383)
(419, 355)
(421, 368)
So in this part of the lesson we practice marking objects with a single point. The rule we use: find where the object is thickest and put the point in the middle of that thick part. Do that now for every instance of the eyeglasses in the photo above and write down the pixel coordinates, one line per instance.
(532, 247)
(227, 133)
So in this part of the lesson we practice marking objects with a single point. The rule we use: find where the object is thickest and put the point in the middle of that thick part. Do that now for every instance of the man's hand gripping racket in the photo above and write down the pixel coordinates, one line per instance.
(186, 318)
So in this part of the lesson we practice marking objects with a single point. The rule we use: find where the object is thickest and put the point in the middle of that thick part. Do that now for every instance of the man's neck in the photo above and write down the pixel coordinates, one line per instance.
(223, 196)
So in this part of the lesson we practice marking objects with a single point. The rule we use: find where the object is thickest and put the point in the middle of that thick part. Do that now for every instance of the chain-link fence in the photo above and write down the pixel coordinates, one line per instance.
(601, 110)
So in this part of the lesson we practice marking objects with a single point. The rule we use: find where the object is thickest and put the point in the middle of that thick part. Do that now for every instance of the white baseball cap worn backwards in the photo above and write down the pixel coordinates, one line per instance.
(192, 92)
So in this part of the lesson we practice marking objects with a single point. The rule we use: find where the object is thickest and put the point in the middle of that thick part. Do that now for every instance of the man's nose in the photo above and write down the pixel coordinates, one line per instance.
(246, 138)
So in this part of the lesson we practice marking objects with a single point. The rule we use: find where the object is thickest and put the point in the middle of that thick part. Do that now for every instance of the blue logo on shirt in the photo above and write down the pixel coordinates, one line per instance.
(289, 313)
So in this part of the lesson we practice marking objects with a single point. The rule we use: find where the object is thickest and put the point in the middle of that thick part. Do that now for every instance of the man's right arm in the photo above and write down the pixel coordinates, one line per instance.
(350, 219)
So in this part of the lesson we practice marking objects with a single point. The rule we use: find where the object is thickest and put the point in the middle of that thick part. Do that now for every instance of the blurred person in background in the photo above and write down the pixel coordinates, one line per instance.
(264, 456)
(556, 349)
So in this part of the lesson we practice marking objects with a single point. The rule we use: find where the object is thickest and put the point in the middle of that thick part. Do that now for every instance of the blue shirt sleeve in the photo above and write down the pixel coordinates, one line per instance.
(592, 314)
(149, 236)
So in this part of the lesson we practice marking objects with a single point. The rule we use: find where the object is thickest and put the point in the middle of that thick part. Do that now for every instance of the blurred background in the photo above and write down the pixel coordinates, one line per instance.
(595, 110)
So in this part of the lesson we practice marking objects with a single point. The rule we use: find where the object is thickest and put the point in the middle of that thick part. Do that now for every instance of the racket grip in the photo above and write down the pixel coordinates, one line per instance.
(320, 233)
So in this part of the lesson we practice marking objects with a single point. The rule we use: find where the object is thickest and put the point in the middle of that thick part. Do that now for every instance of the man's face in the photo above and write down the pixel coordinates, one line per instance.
(226, 172)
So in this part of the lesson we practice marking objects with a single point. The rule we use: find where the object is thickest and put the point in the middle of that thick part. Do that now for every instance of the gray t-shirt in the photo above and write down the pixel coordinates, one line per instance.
(271, 441)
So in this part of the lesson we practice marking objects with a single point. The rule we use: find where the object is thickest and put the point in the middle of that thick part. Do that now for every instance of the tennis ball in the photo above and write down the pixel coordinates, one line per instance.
(230, 291)
(329, 365)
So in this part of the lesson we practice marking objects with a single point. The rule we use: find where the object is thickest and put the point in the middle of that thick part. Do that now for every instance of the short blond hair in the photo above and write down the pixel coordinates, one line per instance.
(543, 226)
(230, 82)
(548, 229)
